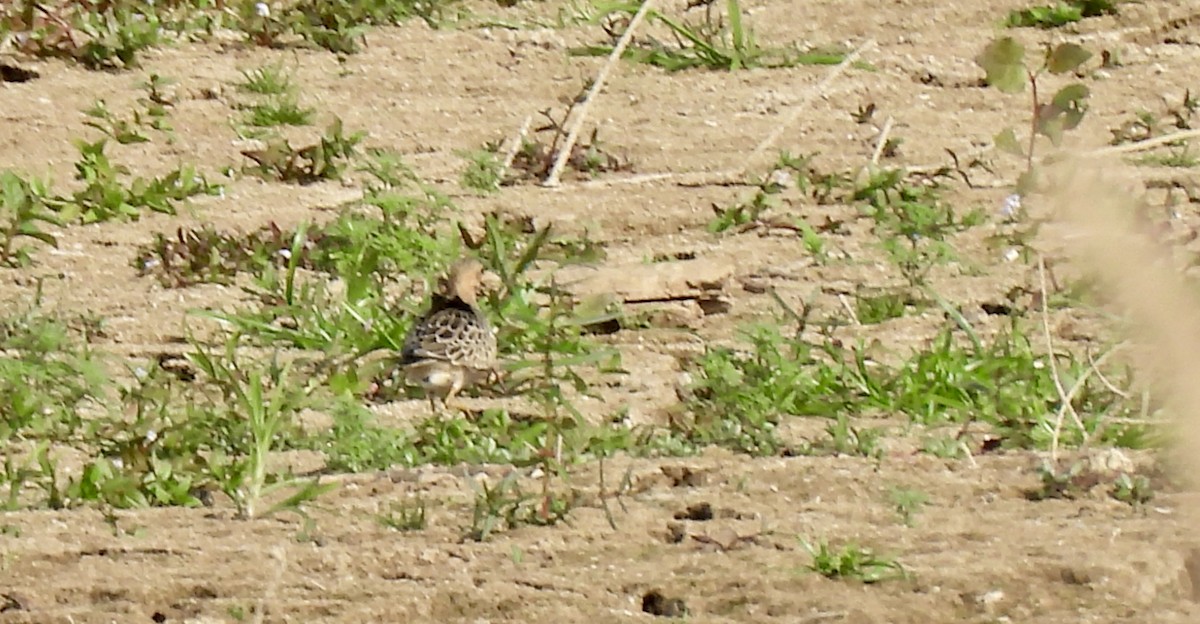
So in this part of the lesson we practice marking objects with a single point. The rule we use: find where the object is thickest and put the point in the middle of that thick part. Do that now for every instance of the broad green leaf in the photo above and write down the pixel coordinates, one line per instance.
(1027, 182)
(1066, 57)
(1007, 141)
(1050, 123)
(1003, 61)
(1071, 96)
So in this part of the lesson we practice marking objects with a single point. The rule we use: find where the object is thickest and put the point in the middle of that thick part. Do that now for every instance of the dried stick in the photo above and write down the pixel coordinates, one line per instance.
(849, 308)
(802, 106)
(564, 152)
(1063, 396)
(511, 153)
(727, 177)
(1145, 145)
(882, 141)
(1099, 375)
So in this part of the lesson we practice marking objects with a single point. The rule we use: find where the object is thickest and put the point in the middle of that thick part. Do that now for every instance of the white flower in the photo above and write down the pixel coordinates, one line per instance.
(1011, 205)
(262, 9)
(286, 253)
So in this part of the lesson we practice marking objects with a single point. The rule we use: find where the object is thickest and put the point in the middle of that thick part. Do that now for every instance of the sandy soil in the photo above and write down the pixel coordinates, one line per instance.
(979, 551)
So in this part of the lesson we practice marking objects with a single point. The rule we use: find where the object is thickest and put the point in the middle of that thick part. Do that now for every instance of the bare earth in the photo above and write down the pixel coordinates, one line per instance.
(979, 551)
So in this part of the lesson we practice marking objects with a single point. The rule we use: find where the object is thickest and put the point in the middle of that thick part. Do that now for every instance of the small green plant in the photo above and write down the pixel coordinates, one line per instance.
(405, 516)
(851, 562)
(24, 209)
(483, 170)
(506, 506)
(282, 110)
(338, 26)
(790, 171)
(846, 439)
(907, 503)
(535, 158)
(737, 398)
(1060, 13)
(257, 409)
(1003, 60)
(325, 160)
(872, 307)
(1148, 124)
(208, 255)
(152, 114)
(912, 222)
(718, 43)
(108, 36)
(105, 196)
(1135, 490)
(267, 80)
(1181, 157)
(1070, 482)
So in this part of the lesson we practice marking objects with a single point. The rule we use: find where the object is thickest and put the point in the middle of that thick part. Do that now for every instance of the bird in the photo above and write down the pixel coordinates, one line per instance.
(452, 346)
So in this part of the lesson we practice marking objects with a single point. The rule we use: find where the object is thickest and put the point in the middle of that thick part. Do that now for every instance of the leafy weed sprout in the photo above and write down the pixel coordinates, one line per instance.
(710, 44)
(851, 562)
(1059, 13)
(1003, 60)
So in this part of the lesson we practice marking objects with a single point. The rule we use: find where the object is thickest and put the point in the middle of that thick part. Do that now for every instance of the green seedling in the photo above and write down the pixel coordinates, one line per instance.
(1134, 491)
(326, 160)
(106, 196)
(483, 170)
(267, 80)
(710, 44)
(24, 210)
(282, 110)
(1003, 60)
(907, 503)
(405, 516)
(851, 562)
(1060, 13)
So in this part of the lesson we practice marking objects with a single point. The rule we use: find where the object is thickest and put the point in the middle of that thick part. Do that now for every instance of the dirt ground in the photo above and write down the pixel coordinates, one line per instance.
(979, 551)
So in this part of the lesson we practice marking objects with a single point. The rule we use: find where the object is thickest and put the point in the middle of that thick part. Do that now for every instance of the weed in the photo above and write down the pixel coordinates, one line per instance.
(876, 306)
(483, 170)
(108, 37)
(1148, 124)
(325, 160)
(207, 255)
(267, 80)
(24, 207)
(907, 503)
(1180, 157)
(46, 378)
(852, 562)
(338, 26)
(709, 44)
(1132, 490)
(1069, 483)
(1003, 60)
(105, 196)
(535, 158)
(790, 171)
(846, 439)
(406, 516)
(258, 406)
(278, 111)
(153, 115)
(1060, 13)
(913, 223)
(506, 506)
(737, 398)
